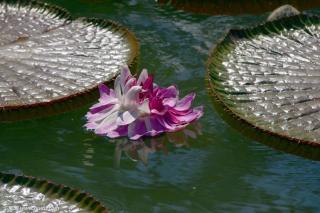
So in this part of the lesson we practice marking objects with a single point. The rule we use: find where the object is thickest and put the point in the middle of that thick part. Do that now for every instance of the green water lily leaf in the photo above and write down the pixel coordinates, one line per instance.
(28, 194)
(282, 12)
(46, 56)
(236, 7)
(269, 76)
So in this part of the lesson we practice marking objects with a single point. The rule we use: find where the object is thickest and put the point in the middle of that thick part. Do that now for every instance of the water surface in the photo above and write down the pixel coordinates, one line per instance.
(220, 171)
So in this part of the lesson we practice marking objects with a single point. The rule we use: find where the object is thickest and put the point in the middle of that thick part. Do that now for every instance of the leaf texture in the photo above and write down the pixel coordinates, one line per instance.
(269, 76)
(46, 56)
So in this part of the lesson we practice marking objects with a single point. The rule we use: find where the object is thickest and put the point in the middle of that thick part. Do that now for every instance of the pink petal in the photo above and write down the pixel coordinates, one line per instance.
(154, 127)
(169, 92)
(170, 102)
(148, 84)
(100, 107)
(117, 88)
(199, 111)
(90, 126)
(103, 89)
(137, 129)
(130, 83)
(132, 95)
(142, 77)
(104, 103)
(121, 131)
(159, 112)
(185, 103)
(124, 76)
(164, 122)
(97, 117)
(156, 106)
(188, 117)
(107, 99)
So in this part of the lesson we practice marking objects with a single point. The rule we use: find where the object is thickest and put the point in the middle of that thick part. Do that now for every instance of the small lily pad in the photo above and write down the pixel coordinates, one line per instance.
(28, 194)
(47, 57)
(269, 77)
(236, 7)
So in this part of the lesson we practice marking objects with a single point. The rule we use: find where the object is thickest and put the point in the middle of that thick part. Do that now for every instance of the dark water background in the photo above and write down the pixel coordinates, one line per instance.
(220, 171)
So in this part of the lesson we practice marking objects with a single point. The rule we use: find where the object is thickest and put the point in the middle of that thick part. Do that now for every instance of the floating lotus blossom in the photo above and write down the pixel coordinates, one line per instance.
(139, 107)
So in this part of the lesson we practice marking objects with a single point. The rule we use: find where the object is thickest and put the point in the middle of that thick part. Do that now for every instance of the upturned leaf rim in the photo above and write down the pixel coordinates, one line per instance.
(226, 45)
(82, 199)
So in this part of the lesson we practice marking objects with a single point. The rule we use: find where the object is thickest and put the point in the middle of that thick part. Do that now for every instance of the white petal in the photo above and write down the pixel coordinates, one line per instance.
(98, 117)
(144, 107)
(131, 97)
(143, 76)
(117, 88)
(124, 75)
(129, 84)
(108, 124)
(127, 117)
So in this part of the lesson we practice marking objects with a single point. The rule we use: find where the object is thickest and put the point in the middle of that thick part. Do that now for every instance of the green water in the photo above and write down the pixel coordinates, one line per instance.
(220, 171)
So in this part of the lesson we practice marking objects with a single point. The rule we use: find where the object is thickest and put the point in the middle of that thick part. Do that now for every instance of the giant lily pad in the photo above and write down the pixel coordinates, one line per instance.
(28, 194)
(47, 57)
(269, 77)
(236, 7)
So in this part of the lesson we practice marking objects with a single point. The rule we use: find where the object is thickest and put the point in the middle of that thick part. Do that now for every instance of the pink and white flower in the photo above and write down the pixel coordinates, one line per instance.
(139, 107)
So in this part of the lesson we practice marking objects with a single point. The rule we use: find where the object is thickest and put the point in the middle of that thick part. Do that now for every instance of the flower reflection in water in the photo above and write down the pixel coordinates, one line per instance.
(140, 150)
(89, 152)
